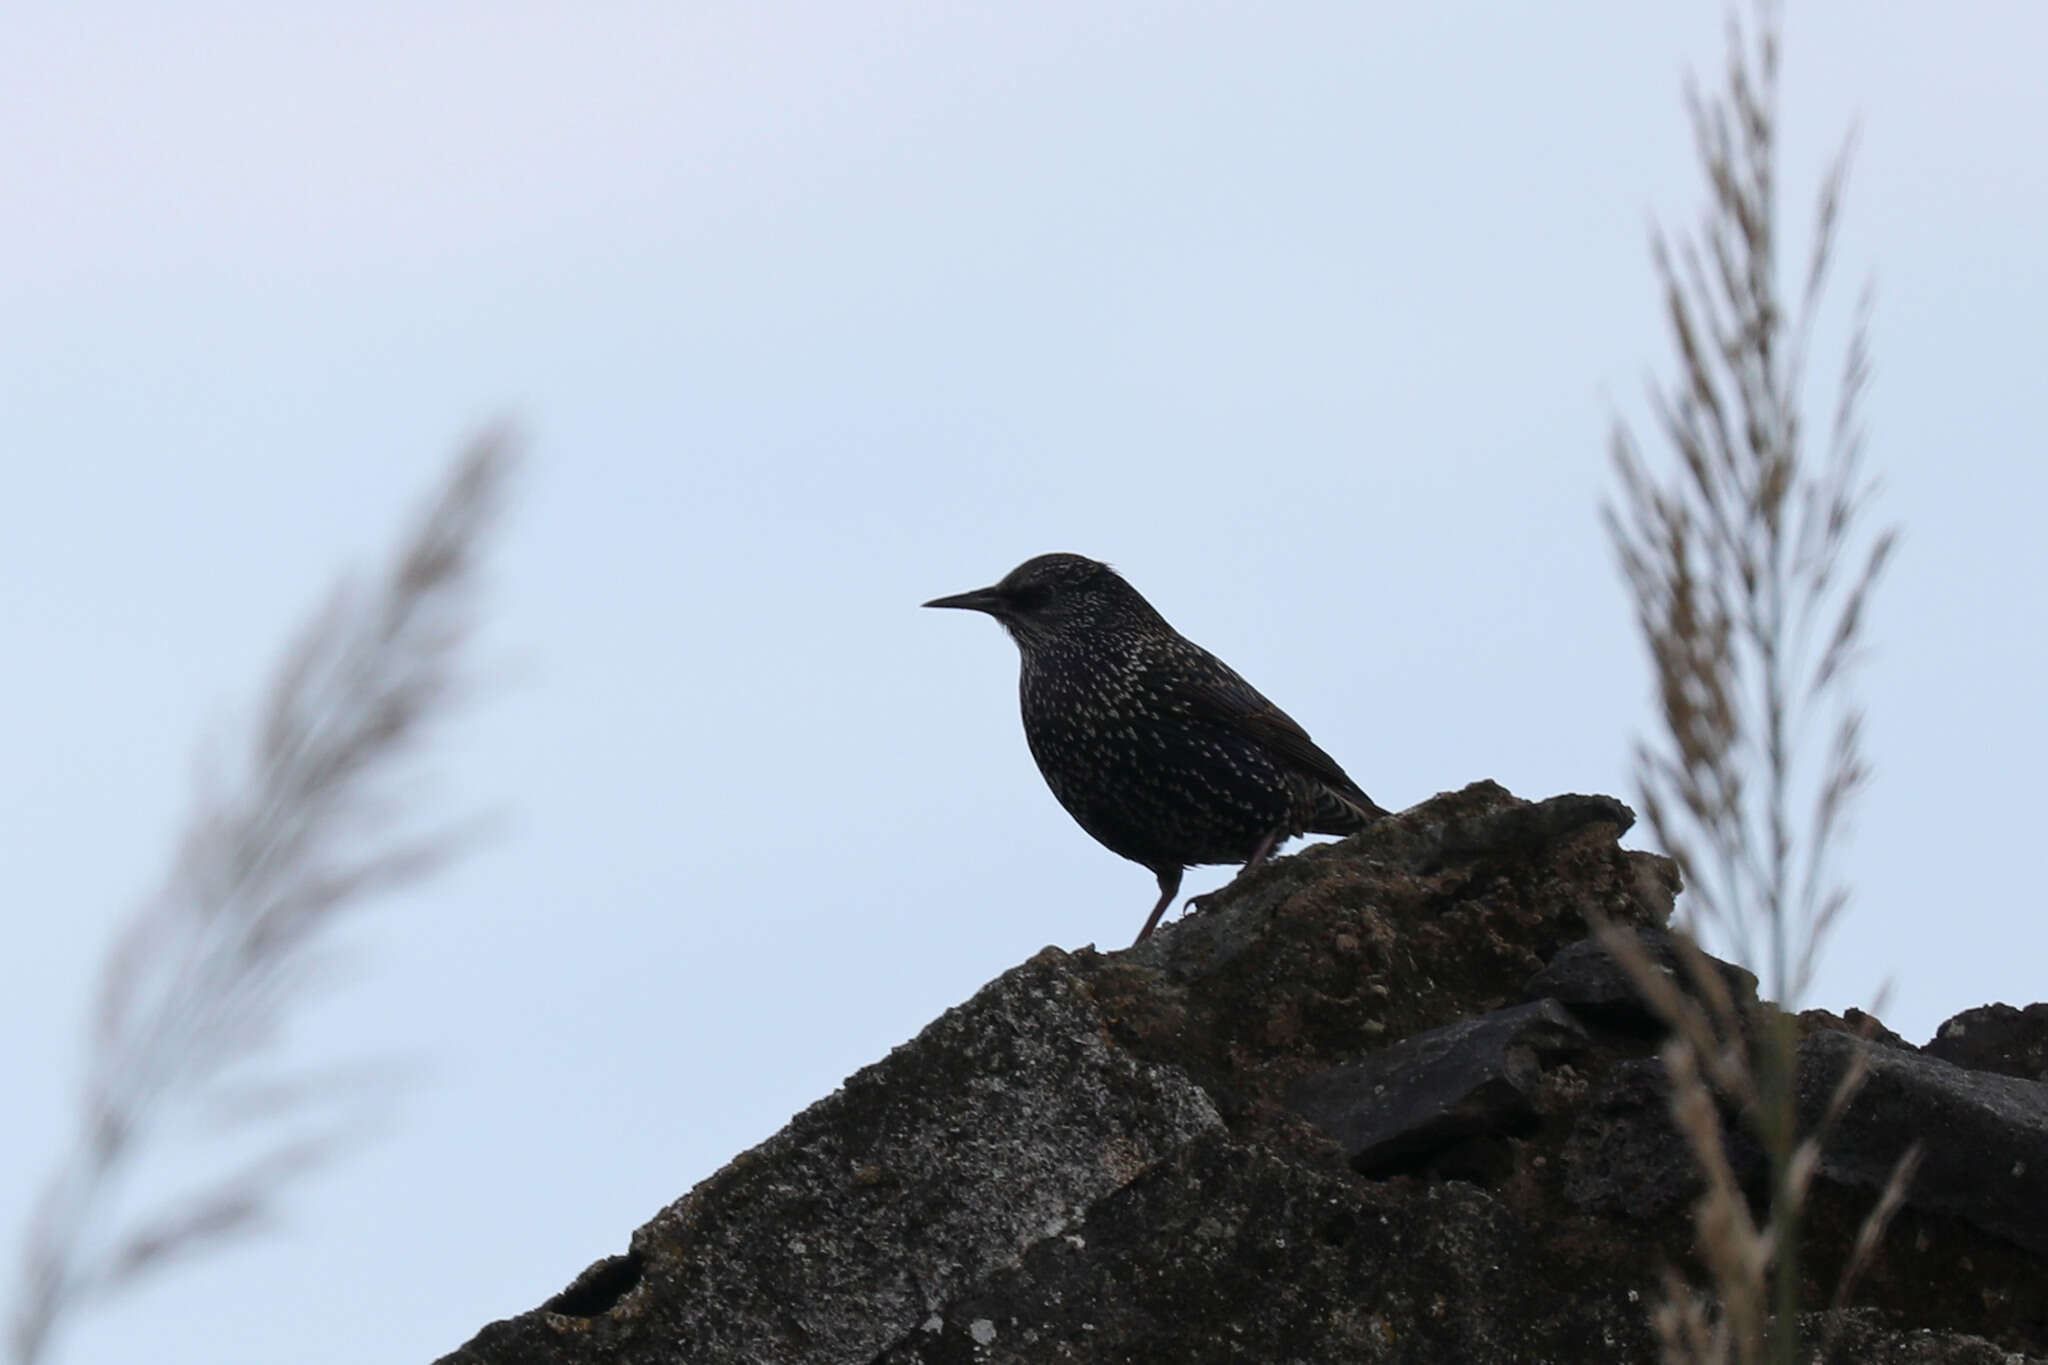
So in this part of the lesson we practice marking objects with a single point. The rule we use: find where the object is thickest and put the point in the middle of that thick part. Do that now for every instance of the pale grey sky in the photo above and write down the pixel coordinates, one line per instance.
(1311, 318)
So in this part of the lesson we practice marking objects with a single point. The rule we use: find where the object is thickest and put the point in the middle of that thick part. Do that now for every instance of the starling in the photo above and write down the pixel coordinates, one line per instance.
(1154, 745)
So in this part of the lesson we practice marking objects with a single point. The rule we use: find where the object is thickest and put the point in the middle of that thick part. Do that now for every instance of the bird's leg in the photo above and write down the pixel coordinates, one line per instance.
(1259, 855)
(1169, 887)
(1264, 850)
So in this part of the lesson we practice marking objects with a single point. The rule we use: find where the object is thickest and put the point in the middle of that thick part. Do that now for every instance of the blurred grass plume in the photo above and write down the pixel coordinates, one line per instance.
(1751, 570)
(311, 821)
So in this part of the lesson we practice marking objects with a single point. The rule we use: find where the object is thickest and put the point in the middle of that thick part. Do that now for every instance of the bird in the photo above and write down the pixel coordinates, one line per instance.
(1156, 747)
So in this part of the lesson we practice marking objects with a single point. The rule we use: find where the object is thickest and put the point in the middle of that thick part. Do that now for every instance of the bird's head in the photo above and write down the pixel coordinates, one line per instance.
(1054, 597)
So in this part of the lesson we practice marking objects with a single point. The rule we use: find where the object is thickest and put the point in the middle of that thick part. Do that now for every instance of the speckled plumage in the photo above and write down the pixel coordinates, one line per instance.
(1155, 746)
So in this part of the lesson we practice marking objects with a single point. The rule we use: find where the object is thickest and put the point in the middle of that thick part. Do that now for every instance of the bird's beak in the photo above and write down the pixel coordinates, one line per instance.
(981, 599)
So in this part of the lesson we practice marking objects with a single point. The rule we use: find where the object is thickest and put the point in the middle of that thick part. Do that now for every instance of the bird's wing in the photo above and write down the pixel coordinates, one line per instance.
(1232, 703)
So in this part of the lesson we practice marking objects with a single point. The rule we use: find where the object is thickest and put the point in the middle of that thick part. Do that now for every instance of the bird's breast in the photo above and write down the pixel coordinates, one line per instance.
(1138, 771)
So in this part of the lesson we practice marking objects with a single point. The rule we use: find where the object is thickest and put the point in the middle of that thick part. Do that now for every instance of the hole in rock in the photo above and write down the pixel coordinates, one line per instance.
(598, 1288)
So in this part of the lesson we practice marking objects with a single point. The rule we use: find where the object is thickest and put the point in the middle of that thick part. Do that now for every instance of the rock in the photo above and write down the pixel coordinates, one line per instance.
(1996, 1038)
(1585, 977)
(991, 1131)
(1984, 1137)
(1229, 1254)
(1096, 1159)
(1853, 1022)
(1524, 827)
(1860, 1336)
(1474, 1078)
(1624, 1155)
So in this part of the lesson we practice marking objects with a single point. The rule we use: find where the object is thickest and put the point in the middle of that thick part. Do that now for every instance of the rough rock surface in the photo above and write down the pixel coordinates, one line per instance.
(1475, 1078)
(993, 1130)
(1109, 1157)
(1624, 1156)
(1997, 1038)
(1984, 1137)
(1588, 979)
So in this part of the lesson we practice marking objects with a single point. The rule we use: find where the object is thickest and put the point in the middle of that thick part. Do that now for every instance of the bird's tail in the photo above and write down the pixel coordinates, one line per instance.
(1344, 812)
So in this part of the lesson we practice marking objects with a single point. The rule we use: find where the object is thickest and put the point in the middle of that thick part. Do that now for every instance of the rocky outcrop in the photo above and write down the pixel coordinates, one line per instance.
(1996, 1038)
(1382, 1101)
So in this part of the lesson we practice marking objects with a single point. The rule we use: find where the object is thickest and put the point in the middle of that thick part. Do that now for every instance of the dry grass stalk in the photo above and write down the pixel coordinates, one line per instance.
(200, 984)
(1871, 1231)
(1751, 573)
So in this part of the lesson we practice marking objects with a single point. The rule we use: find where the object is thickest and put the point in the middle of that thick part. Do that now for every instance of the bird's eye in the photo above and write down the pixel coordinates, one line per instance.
(1031, 597)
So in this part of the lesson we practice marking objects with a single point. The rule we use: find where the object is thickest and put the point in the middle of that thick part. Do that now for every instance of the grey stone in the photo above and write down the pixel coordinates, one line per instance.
(1227, 1254)
(1094, 1158)
(1984, 1137)
(1474, 1078)
(993, 1130)
(1585, 976)
(2011, 1042)
(1624, 1155)
(1860, 1336)
(1528, 826)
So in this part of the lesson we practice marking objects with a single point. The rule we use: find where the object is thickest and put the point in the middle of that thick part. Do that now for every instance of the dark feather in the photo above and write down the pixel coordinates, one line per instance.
(1156, 747)
(1230, 702)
